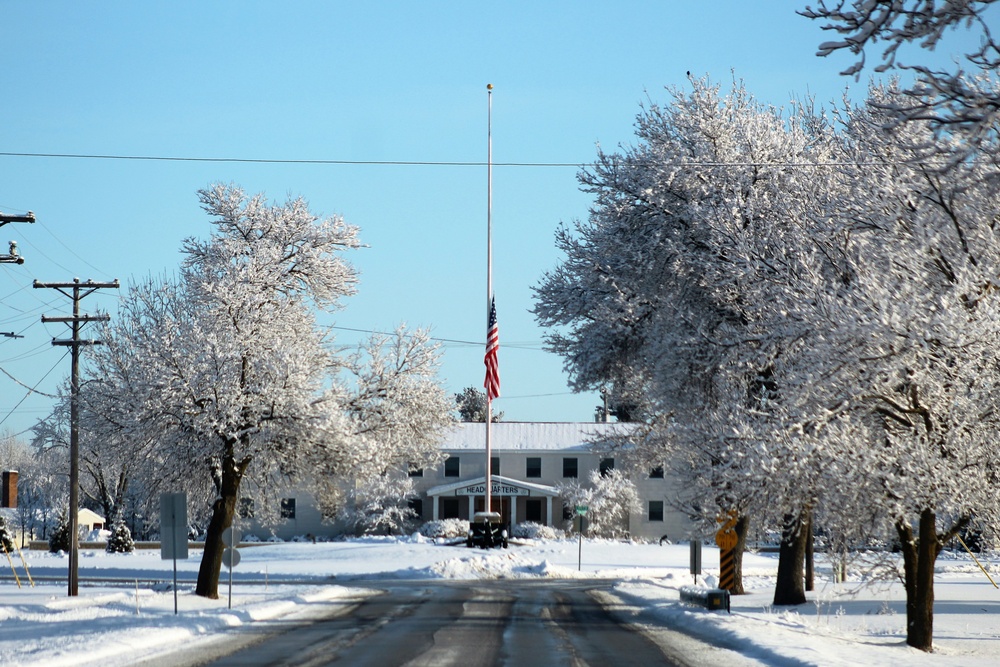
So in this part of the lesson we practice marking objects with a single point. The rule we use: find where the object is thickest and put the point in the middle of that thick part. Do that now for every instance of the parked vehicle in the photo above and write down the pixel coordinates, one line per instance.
(486, 531)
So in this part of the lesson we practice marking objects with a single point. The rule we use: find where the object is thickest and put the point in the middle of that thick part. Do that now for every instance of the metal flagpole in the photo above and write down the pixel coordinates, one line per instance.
(489, 283)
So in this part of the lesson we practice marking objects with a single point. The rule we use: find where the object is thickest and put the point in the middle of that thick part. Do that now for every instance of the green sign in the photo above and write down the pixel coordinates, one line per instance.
(581, 510)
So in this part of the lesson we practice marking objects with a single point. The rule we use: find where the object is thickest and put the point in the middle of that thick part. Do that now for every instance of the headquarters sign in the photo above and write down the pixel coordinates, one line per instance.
(497, 489)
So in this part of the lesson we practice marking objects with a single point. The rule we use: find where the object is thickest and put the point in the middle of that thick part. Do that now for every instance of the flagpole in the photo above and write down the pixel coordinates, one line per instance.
(489, 283)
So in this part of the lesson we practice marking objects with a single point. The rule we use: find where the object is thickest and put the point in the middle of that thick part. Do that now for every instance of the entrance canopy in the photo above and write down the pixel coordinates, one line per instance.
(506, 494)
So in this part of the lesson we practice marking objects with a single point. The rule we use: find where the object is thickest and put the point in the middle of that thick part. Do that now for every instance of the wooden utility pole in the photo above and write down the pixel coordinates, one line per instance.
(75, 291)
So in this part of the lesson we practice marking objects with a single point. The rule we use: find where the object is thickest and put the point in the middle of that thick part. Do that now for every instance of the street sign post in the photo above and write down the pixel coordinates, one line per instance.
(231, 556)
(695, 559)
(581, 513)
(727, 539)
(173, 531)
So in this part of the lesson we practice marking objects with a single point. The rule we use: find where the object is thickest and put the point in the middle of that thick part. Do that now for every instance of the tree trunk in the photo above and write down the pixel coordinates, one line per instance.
(810, 556)
(742, 528)
(789, 588)
(919, 556)
(223, 510)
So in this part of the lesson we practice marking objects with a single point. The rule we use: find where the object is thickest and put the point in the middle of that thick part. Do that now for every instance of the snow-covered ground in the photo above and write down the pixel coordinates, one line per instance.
(844, 624)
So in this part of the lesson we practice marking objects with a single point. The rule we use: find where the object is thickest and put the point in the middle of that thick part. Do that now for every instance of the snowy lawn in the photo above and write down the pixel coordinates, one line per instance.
(844, 624)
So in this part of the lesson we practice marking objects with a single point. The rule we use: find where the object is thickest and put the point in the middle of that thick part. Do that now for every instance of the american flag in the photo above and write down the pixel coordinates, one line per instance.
(492, 383)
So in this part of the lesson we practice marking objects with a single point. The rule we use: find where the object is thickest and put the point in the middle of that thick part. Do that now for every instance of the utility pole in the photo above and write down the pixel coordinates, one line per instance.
(75, 291)
(13, 257)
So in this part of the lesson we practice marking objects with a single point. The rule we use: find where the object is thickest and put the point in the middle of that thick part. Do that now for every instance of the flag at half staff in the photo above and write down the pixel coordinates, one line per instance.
(492, 383)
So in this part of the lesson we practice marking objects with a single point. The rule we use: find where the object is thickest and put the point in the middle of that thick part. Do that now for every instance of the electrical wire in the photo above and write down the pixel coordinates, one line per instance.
(418, 163)
(482, 343)
(30, 389)
(33, 390)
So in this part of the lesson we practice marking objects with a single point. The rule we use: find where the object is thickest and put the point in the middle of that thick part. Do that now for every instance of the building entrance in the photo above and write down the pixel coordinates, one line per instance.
(499, 504)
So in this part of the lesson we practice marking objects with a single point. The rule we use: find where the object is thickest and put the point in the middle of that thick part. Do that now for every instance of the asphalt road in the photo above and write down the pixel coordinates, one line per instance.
(516, 623)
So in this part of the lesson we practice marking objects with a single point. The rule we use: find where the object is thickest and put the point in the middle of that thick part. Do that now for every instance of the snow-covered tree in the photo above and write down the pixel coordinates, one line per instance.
(380, 505)
(952, 98)
(222, 375)
(916, 335)
(59, 537)
(6, 535)
(120, 540)
(672, 292)
(471, 406)
(105, 473)
(609, 498)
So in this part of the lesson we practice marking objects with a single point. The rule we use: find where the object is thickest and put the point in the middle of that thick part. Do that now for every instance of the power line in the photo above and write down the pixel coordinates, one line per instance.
(391, 163)
(32, 390)
(481, 343)
(442, 163)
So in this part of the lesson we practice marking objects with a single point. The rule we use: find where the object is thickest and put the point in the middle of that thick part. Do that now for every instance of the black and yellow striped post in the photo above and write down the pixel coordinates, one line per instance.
(726, 539)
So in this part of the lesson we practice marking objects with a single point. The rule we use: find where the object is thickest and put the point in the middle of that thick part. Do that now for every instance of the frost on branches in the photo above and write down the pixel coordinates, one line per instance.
(120, 540)
(381, 506)
(609, 499)
(671, 292)
(811, 345)
(958, 98)
(222, 376)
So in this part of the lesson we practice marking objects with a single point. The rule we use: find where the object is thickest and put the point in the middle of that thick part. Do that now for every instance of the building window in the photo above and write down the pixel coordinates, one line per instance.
(656, 510)
(568, 513)
(533, 510)
(414, 471)
(533, 468)
(494, 465)
(607, 465)
(656, 473)
(288, 508)
(569, 467)
(449, 508)
(417, 505)
(451, 467)
(246, 508)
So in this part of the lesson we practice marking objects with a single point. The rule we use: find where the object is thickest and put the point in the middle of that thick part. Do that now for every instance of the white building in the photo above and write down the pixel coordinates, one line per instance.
(530, 460)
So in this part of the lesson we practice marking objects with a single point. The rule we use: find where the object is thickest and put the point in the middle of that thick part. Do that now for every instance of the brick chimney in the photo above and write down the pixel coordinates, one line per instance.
(9, 484)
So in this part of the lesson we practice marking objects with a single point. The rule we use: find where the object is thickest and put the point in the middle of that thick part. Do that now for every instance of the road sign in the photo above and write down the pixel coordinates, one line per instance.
(726, 539)
(582, 510)
(231, 537)
(173, 526)
(231, 557)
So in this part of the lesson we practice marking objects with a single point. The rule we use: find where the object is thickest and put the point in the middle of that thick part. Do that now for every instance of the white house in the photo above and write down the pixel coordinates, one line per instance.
(530, 460)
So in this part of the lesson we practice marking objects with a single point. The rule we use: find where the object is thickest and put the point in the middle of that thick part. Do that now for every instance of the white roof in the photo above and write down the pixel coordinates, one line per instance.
(531, 436)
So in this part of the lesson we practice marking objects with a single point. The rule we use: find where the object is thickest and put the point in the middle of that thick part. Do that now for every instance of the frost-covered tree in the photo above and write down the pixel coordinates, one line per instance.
(105, 473)
(672, 292)
(380, 505)
(471, 406)
(806, 340)
(394, 414)
(959, 97)
(222, 376)
(120, 540)
(916, 333)
(59, 537)
(6, 535)
(42, 489)
(609, 498)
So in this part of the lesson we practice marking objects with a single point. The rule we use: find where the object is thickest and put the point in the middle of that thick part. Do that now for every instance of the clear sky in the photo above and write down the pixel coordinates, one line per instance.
(355, 82)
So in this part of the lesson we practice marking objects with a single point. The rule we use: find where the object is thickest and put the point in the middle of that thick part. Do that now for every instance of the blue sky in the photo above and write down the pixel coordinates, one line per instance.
(368, 82)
